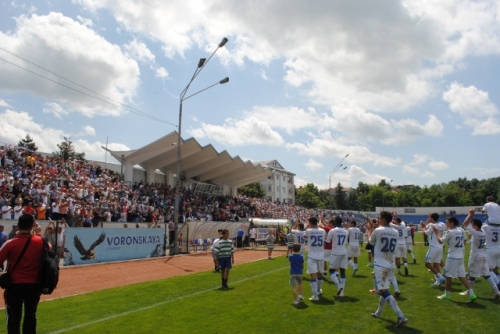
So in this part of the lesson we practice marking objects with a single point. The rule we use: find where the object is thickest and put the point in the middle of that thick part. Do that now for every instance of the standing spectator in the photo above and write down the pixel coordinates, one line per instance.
(239, 238)
(253, 236)
(24, 289)
(171, 235)
(40, 211)
(13, 232)
(225, 257)
(3, 239)
(6, 211)
(61, 237)
(296, 272)
(18, 210)
(270, 244)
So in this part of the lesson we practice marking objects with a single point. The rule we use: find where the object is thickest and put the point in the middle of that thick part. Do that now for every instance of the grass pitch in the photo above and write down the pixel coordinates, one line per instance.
(260, 301)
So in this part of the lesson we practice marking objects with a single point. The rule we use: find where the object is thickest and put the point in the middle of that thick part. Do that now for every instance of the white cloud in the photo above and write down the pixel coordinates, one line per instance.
(358, 124)
(139, 51)
(55, 109)
(385, 55)
(419, 164)
(326, 146)
(161, 72)
(77, 53)
(438, 165)
(358, 174)
(313, 165)
(263, 75)
(84, 21)
(474, 107)
(4, 103)
(287, 118)
(89, 130)
(235, 133)
(17, 124)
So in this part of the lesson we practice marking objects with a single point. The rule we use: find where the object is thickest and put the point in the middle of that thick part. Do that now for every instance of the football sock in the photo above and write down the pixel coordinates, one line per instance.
(314, 288)
(392, 303)
(439, 276)
(381, 305)
(334, 278)
(471, 292)
(447, 293)
(492, 283)
(413, 256)
(394, 282)
(405, 263)
(351, 263)
(320, 283)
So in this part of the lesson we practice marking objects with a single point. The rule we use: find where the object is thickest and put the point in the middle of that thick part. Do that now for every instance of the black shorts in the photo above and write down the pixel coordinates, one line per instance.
(369, 246)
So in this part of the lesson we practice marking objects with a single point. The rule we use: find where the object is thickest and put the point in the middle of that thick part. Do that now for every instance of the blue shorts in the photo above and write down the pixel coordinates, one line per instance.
(225, 263)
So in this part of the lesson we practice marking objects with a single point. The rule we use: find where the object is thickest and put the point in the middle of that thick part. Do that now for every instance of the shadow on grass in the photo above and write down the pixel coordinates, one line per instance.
(301, 306)
(403, 329)
(323, 301)
(346, 299)
(360, 276)
(469, 305)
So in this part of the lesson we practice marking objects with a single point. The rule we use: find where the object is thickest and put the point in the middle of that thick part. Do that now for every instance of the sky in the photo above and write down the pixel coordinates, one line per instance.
(407, 90)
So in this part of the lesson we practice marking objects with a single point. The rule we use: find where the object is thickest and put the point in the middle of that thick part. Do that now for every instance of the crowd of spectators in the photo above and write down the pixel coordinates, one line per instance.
(85, 194)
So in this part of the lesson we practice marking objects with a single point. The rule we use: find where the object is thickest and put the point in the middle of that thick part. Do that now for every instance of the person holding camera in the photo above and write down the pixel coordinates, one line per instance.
(24, 272)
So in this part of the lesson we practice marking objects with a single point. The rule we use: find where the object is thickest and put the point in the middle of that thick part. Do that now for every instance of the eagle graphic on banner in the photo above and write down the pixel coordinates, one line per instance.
(90, 253)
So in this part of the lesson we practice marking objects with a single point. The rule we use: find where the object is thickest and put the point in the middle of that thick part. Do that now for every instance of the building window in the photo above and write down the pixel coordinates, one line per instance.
(284, 178)
(270, 187)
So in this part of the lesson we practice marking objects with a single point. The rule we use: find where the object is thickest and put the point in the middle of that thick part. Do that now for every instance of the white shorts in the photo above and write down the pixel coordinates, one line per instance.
(434, 255)
(314, 266)
(409, 246)
(478, 266)
(338, 261)
(383, 277)
(493, 258)
(326, 254)
(454, 268)
(353, 250)
(400, 251)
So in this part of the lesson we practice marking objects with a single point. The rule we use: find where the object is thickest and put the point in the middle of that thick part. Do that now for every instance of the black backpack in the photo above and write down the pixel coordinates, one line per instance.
(49, 270)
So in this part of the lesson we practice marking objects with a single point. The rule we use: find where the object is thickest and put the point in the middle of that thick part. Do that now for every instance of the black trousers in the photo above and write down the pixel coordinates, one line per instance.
(15, 297)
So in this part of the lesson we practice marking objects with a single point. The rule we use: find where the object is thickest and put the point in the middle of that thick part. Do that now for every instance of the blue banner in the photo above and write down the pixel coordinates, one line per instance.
(94, 245)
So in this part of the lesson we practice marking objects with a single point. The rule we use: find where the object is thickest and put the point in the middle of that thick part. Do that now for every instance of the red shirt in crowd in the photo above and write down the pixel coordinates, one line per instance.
(28, 268)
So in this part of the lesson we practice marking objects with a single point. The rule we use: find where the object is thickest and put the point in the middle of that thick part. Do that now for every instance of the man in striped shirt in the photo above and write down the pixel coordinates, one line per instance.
(225, 256)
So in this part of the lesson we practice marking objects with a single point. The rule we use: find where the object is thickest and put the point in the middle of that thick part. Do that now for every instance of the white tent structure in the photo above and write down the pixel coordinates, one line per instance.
(269, 222)
(200, 164)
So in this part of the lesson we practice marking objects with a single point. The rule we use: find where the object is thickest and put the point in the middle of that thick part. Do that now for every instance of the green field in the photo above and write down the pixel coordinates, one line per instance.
(260, 301)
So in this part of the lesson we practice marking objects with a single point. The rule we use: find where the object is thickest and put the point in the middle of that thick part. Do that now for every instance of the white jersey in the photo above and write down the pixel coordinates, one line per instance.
(408, 235)
(477, 243)
(433, 241)
(493, 211)
(338, 237)
(354, 235)
(316, 238)
(299, 237)
(401, 228)
(492, 236)
(455, 239)
(384, 239)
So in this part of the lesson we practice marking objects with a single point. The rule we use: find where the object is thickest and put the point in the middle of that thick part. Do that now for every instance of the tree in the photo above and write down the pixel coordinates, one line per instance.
(340, 197)
(67, 151)
(253, 189)
(28, 143)
(308, 196)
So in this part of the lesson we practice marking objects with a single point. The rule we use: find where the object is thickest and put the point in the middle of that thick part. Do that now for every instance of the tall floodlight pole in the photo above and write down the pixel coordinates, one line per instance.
(201, 64)
(334, 171)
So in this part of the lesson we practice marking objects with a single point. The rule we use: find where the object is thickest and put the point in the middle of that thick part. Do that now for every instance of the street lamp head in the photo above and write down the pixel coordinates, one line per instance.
(223, 42)
(201, 62)
(223, 81)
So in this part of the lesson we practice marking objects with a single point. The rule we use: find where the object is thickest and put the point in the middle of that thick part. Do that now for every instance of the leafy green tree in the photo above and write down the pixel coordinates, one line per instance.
(28, 143)
(352, 200)
(340, 197)
(326, 200)
(308, 196)
(67, 151)
(253, 189)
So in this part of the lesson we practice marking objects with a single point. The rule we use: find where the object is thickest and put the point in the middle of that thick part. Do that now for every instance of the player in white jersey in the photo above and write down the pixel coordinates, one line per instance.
(353, 250)
(409, 244)
(478, 265)
(454, 267)
(338, 237)
(435, 253)
(384, 239)
(298, 234)
(493, 247)
(493, 210)
(400, 226)
(315, 260)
